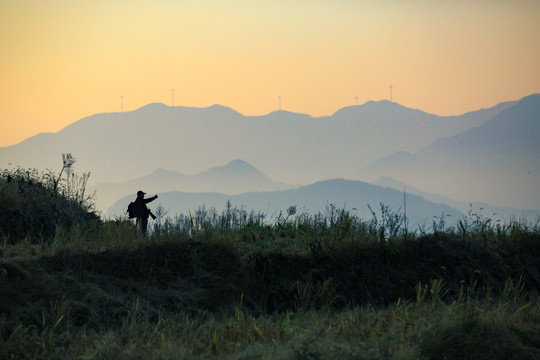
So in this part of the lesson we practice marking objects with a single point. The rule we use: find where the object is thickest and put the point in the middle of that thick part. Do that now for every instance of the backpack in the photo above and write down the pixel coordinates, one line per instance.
(132, 210)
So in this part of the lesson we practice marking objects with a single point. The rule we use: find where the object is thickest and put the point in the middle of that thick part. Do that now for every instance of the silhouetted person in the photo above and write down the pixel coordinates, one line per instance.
(142, 211)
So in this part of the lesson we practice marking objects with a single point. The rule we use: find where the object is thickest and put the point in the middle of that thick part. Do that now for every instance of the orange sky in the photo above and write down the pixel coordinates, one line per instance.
(63, 60)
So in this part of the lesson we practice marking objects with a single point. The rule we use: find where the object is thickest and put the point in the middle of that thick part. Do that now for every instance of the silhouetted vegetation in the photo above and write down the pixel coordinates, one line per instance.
(236, 285)
(34, 205)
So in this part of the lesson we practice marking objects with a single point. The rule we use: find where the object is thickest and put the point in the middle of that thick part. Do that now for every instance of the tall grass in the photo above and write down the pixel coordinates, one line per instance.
(241, 285)
(426, 330)
(34, 204)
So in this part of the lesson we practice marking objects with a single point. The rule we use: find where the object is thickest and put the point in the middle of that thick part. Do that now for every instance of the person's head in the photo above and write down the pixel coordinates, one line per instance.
(140, 194)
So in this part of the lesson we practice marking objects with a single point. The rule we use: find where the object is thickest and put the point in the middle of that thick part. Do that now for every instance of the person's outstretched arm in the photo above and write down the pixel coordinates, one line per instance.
(146, 201)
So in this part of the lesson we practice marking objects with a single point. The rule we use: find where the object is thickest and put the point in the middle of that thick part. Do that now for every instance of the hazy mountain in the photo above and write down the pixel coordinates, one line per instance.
(311, 198)
(497, 162)
(233, 178)
(293, 148)
(495, 213)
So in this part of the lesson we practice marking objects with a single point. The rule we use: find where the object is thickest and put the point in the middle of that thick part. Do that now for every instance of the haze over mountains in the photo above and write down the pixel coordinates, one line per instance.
(495, 213)
(497, 162)
(289, 147)
(233, 178)
(490, 155)
(354, 196)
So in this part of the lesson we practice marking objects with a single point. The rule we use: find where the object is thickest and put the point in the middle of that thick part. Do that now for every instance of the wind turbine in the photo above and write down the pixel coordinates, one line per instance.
(391, 87)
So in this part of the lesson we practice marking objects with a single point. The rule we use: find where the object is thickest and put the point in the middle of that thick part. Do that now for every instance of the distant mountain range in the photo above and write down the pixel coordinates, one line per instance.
(293, 148)
(487, 156)
(233, 178)
(495, 213)
(497, 162)
(354, 196)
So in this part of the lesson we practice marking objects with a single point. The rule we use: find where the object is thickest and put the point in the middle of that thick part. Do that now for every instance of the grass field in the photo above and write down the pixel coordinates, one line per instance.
(236, 286)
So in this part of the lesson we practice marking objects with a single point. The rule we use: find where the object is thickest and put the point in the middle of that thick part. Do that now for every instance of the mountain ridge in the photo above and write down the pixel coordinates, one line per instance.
(237, 176)
(495, 213)
(497, 160)
(351, 195)
(295, 148)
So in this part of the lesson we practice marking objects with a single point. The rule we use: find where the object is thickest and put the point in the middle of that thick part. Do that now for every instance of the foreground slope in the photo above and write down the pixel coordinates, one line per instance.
(228, 295)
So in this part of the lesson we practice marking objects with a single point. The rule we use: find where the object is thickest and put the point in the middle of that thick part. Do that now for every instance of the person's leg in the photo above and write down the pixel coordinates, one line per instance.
(144, 226)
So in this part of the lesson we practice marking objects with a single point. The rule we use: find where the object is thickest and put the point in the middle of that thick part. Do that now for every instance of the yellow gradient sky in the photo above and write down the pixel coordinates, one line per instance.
(63, 60)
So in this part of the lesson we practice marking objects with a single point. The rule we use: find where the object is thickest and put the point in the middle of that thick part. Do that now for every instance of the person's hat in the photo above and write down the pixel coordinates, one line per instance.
(140, 192)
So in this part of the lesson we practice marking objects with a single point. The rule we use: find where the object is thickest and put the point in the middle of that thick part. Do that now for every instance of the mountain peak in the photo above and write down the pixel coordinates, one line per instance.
(221, 107)
(234, 166)
(220, 110)
(164, 172)
(284, 114)
(376, 108)
(239, 163)
(152, 106)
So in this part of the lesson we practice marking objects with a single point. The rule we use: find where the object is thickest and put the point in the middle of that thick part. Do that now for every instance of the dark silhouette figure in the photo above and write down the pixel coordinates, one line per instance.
(142, 211)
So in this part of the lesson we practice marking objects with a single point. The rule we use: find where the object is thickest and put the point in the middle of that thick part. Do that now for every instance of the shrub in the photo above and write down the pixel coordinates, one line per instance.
(32, 206)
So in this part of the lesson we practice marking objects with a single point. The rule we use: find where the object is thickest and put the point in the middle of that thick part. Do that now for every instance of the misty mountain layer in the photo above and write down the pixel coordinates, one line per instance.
(292, 148)
(354, 196)
(233, 178)
(497, 162)
(489, 156)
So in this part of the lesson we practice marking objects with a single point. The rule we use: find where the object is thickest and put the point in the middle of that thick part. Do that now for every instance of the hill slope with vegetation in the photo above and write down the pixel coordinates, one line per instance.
(230, 285)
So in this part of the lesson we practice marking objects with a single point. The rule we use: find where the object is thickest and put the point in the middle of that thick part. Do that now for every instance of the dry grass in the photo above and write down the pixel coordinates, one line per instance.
(306, 287)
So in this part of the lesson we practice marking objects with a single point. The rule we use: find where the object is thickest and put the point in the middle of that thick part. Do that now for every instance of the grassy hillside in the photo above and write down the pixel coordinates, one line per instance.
(231, 286)
(33, 205)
